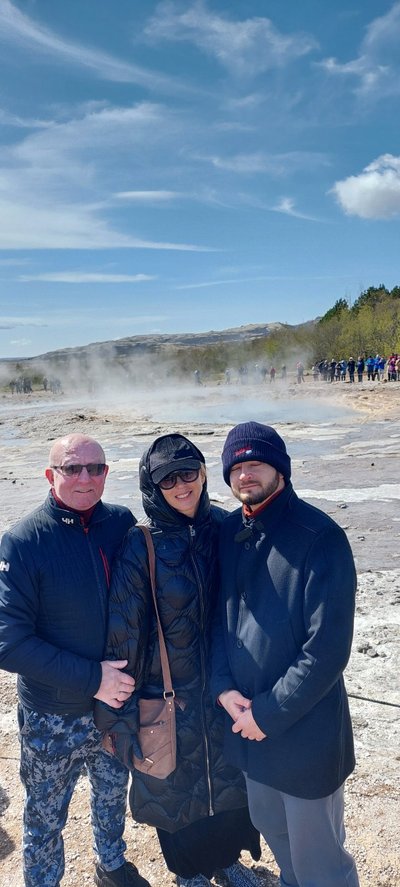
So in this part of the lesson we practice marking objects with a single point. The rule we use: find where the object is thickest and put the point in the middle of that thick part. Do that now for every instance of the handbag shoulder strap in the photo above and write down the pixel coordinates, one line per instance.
(166, 672)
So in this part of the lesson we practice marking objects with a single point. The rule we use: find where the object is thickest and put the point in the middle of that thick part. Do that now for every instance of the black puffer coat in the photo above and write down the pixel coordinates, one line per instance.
(202, 783)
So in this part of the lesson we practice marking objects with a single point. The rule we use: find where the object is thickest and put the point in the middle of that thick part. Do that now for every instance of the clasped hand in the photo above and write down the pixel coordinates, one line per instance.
(116, 686)
(239, 708)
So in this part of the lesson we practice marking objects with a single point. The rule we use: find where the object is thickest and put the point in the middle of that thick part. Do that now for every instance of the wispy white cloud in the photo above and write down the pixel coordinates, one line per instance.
(245, 47)
(209, 283)
(22, 343)
(374, 193)
(80, 277)
(265, 277)
(383, 32)
(274, 164)
(10, 323)
(246, 102)
(204, 194)
(371, 76)
(11, 263)
(20, 31)
(149, 196)
(51, 181)
(9, 119)
(62, 226)
(64, 319)
(287, 206)
(94, 130)
(376, 68)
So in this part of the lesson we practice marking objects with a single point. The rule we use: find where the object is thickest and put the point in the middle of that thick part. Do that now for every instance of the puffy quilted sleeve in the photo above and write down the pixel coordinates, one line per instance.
(130, 610)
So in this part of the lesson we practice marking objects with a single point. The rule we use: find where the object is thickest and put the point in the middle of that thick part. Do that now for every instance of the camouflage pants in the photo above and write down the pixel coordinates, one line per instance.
(55, 750)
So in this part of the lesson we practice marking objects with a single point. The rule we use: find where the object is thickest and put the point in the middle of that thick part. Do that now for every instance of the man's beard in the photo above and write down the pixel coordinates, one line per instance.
(257, 495)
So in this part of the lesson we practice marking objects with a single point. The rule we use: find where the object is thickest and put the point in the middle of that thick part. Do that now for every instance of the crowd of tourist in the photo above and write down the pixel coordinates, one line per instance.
(370, 368)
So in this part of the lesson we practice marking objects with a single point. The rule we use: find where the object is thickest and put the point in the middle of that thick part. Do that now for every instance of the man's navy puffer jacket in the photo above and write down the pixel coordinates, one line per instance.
(54, 583)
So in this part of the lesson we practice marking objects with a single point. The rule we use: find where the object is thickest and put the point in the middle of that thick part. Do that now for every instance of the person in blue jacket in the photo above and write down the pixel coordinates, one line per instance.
(54, 579)
(370, 365)
(281, 644)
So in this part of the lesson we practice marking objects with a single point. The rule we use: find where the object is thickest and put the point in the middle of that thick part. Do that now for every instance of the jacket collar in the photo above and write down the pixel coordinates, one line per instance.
(266, 520)
(71, 518)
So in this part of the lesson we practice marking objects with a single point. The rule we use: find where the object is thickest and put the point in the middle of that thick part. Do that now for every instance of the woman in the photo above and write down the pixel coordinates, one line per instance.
(200, 810)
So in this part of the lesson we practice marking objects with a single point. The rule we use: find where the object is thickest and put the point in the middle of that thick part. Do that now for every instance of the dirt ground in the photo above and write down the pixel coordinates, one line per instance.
(348, 466)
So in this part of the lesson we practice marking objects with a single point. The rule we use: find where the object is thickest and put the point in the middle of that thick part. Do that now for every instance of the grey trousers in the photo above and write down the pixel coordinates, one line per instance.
(306, 837)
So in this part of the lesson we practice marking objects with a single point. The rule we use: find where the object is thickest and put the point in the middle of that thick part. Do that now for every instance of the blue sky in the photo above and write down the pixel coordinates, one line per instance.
(185, 166)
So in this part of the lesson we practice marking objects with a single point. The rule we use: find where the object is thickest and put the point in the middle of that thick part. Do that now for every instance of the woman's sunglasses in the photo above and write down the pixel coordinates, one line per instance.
(187, 476)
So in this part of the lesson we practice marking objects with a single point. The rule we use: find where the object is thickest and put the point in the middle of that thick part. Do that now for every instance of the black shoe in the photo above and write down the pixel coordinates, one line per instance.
(126, 876)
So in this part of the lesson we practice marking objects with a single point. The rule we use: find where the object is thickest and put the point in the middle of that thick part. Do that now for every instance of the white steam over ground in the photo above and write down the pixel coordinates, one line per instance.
(126, 375)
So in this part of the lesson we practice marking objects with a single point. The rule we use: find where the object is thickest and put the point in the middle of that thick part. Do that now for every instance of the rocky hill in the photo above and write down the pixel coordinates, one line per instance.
(133, 345)
(163, 355)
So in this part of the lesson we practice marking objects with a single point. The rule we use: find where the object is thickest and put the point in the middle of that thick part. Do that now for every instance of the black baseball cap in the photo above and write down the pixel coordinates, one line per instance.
(172, 452)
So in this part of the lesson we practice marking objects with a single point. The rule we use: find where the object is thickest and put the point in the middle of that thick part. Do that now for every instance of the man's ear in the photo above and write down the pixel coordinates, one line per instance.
(49, 473)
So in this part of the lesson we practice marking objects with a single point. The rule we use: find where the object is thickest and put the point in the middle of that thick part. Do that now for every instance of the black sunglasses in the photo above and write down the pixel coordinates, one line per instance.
(187, 476)
(94, 469)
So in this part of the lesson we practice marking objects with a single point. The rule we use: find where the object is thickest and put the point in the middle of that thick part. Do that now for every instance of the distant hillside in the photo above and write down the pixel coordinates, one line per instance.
(134, 358)
(130, 346)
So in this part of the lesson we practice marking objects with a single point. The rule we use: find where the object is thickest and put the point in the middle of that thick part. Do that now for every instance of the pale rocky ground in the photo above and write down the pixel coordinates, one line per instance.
(345, 446)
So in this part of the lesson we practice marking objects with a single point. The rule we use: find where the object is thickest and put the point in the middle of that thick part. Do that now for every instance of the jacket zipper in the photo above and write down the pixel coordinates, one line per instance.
(192, 534)
(102, 597)
(106, 567)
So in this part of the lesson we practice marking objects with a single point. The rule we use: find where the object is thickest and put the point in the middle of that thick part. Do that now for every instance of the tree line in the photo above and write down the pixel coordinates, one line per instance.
(370, 326)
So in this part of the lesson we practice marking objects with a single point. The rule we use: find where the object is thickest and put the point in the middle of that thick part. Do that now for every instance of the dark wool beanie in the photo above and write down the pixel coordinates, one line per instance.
(253, 442)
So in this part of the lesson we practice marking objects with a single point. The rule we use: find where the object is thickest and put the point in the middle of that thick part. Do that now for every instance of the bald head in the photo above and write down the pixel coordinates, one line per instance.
(64, 445)
(81, 490)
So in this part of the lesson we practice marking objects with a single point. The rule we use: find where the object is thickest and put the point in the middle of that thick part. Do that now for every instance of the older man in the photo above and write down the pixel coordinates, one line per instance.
(287, 609)
(55, 569)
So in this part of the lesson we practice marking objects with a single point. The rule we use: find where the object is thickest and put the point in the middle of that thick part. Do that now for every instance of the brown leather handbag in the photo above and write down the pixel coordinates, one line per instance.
(157, 731)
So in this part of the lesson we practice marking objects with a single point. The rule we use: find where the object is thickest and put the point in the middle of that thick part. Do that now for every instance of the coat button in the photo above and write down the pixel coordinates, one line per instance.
(247, 546)
(239, 643)
(245, 691)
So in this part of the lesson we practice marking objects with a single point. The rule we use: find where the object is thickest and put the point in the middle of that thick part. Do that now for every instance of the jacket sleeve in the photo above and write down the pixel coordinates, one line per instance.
(21, 649)
(221, 675)
(328, 613)
(130, 608)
